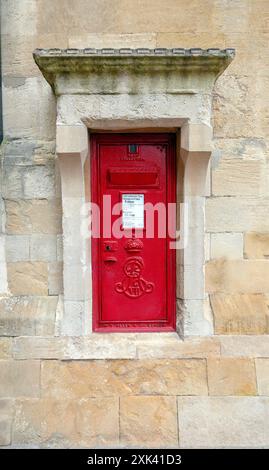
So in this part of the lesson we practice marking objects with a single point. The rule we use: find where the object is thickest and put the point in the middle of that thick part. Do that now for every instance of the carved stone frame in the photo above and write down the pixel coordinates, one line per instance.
(108, 91)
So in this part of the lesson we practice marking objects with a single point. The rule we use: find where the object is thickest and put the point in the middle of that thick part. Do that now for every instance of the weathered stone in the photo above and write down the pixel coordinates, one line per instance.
(262, 370)
(12, 182)
(145, 377)
(43, 247)
(3, 266)
(63, 423)
(72, 321)
(223, 422)
(67, 348)
(169, 39)
(227, 245)
(19, 378)
(232, 103)
(256, 245)
(27, 347)
(148, 422)
(17, 55)
(112, 40)
(240, 313)
(98, 346)
(36, 216)
(39, 182)
(245, 346)
(238, 177)
(27, 315)
(17, 248)
(15, 13)
(33, 117)
(222, 214)
(230, 376)
(6, 417)
(59, 248)
(55, 278)
(192, 347)
(237, 276)
(5, 348)
(28, 278)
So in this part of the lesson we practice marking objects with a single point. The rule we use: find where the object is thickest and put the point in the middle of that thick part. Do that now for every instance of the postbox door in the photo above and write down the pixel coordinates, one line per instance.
(133, 263)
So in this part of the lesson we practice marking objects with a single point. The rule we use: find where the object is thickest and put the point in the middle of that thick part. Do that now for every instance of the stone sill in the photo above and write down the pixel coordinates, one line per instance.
(137, 346)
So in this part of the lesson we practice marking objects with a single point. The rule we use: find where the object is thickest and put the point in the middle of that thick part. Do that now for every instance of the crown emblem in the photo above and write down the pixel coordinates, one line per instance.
(134, 245)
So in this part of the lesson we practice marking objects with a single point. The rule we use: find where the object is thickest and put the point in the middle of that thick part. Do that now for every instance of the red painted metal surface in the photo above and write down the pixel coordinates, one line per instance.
(133, 276)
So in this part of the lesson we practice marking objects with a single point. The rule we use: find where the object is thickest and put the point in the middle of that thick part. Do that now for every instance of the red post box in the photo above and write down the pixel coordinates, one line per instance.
(133, 180)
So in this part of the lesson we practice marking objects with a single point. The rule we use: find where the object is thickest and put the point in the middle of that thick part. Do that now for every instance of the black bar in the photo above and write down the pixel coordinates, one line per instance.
(134, 458)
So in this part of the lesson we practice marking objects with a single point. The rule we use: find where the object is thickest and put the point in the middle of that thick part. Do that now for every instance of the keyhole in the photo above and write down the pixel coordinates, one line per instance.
(107, 248)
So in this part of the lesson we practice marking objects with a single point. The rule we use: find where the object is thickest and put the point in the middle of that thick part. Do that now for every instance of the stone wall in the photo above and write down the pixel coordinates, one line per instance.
(127, 396)
(201, 393)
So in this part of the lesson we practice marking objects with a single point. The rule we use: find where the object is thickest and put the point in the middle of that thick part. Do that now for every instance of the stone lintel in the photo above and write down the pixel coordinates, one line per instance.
(53, 62)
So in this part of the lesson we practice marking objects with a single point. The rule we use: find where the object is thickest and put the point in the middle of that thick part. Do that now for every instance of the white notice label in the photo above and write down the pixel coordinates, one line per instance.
(133, 211)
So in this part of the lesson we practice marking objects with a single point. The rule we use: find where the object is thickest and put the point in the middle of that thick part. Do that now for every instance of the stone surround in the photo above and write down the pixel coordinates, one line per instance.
(128, 90)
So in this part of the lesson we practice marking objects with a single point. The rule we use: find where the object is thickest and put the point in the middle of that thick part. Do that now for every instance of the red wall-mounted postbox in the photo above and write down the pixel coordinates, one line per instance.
(133, 264)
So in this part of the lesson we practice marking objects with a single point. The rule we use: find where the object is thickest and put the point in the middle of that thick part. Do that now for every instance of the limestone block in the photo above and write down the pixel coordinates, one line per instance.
(169, 39)
(237, 276)
(19, 378)
(33, 216)
(240, 314)
(12, 182)
(227, 245)
(43, 247)
(6, 418)
(2, 247)
(33, 117)
(99, 40)
(39, 182)
(143, 377)
(197, 317)
(19, 18)
(3, 266)
(222, 214)
(57, 423)
(148, 422)
(241, 148)
(55, 278)
(17, 248)
(238, 177)
(123, 111)
(28, 278)
(100, 346)
(233, 107)
(17, 51)
(84, 16)
(193, 347)
(207, 246)
(191, 286)
(262, 370)
(38, 347)
(59, 248)
(74, 282)
(223, 422)
(230, 376)
(5, 348)
(92, 17)
(73, 318)
(27, 315)
(245, 345)
(196, 138)
(256, 245)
